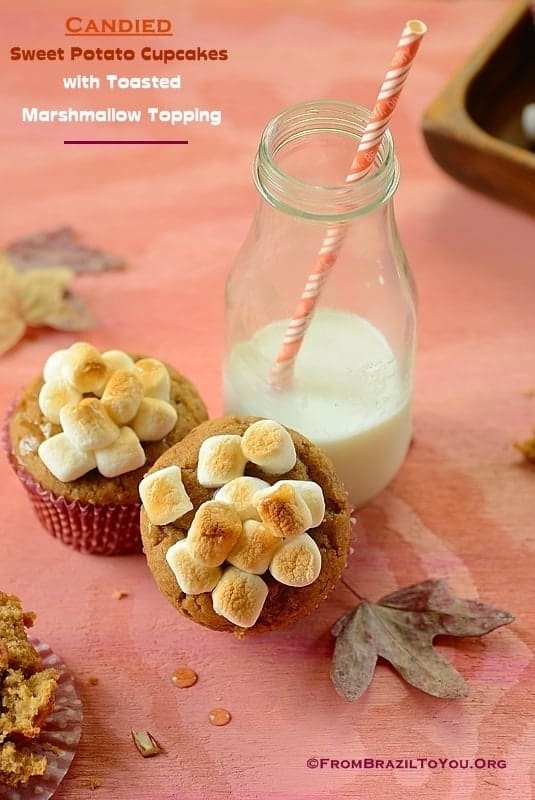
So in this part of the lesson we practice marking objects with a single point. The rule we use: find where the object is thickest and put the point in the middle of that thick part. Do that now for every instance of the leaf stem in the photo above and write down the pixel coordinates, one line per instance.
(357, 595)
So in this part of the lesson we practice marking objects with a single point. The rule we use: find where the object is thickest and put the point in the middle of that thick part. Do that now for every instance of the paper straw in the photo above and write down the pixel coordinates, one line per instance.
(363, 162)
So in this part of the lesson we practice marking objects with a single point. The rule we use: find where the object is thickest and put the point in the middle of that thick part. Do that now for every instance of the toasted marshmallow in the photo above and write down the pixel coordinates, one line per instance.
(239, 597)
(297, 562)
(64, 460)
(122, 396)
(87, 424)
(117, 359)
(154, 419)
(84, 367)
(220, 460)
(163, 496)
(270, 446)
(213, 533)
(255, 548)
(283, 510)
(191, 576)
(312, 494)
(54, 394)
(122, 455)
(154, 377)
(53, 365)
(239, 493)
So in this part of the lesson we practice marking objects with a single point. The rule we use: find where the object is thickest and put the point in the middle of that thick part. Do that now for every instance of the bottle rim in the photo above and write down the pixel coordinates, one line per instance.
(331, 203)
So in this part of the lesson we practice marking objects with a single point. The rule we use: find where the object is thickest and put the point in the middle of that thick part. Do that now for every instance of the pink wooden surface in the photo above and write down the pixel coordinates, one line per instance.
(462, 507)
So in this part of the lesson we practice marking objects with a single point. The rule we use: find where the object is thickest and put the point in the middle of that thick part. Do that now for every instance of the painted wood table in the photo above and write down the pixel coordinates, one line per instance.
(462, 506)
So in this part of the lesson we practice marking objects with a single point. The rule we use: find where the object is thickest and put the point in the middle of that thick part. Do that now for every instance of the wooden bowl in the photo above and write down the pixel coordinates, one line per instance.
(473, 127)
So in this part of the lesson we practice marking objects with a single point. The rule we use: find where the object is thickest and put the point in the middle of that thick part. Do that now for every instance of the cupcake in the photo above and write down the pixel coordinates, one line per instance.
(245, 525)
(82, 435)
(40, 712)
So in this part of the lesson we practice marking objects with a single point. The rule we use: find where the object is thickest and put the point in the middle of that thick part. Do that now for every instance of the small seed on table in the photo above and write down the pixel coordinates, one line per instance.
(220, 716)
(183, 677)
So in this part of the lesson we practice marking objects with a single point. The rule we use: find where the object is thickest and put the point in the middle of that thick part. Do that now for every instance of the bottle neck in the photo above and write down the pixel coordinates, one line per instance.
(304, 155)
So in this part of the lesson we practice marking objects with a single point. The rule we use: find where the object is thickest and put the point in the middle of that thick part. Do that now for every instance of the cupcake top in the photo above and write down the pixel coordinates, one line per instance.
(242, 534)
(31, 423)
(106, 404)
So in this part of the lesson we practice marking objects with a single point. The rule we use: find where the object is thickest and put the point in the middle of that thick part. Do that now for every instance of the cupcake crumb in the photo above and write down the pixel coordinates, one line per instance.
(93, 680)
(94, 783)
(118, 594)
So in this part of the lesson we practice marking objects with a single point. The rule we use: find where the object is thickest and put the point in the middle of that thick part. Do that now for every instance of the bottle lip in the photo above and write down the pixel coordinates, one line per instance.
(338, 202)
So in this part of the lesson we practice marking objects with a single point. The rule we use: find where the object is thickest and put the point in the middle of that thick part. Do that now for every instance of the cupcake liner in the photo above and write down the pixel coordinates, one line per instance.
(105, 529)
(59, 735)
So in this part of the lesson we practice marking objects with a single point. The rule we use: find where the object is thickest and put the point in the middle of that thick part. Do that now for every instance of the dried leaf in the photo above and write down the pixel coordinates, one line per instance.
(527, 448)
(60, 246)
(400, 628)
(146, 743)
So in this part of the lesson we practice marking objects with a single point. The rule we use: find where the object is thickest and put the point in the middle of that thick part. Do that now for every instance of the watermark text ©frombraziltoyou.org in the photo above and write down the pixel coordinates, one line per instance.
(420, 762)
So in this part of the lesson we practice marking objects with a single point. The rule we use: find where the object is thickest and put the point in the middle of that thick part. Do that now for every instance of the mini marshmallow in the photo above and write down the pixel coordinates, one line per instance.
(220, 460)
(239, 494)
(56, 393)
(117, 359)
(64, 460)
(53, 365)
(87, 424)
(213, 533)
(239, 597)
(163, 496)
(270, 446)
(191, 576)
(84, 367)
(283, 510)
(154, 419)
(297, 562)
(312, 494)
(123, 455)
(154, 377)
(122, 396)
(255, 548)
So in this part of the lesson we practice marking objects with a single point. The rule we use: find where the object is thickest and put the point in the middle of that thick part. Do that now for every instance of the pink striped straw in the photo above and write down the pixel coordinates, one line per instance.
(363, 162)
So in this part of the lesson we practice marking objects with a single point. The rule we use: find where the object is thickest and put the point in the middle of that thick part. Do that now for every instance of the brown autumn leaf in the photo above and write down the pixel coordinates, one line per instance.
(60, 246)
(400, 628)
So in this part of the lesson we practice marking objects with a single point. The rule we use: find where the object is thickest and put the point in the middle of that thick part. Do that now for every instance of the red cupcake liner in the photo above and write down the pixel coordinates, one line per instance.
(59, 735)
(106, 529)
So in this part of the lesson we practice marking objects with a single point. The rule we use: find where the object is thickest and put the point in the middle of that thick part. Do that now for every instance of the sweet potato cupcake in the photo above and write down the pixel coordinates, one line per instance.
(245, 525)
(82, 435)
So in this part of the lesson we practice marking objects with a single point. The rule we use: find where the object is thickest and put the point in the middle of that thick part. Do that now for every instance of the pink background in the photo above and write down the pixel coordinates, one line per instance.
(463, 505)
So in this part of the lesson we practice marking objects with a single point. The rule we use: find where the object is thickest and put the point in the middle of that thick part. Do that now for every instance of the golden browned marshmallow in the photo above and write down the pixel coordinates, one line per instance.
(239, 597)
(283, 510)
(122, 455)
(53, 365)
(297, 562)
(213, 533)
(54, 394)
(84, 367)
(117, 359)
(154, 419)
(122, 396)
(154, 377)
(87, 424)
(255, 548)
(270, 446)
(220, 460)
(163, 495)
(312, 494)
(239, 494)
(192, 576)
(64, 460)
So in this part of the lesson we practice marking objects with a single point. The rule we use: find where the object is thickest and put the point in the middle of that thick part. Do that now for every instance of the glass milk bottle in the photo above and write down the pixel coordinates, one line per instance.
(351, 385)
